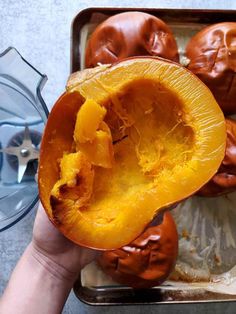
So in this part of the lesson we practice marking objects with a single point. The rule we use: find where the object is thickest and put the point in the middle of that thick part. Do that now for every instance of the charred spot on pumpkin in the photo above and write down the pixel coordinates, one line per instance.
(79, 179)
(56, 204)
(54, 201)
(119, 140)
(63, 189)
(71, 192)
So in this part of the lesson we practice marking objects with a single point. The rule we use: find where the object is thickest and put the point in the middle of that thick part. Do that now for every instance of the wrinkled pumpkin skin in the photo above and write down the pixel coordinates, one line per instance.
(212, 58)
(224, 181)
(123, 143)
(130, 34)
(148, 260)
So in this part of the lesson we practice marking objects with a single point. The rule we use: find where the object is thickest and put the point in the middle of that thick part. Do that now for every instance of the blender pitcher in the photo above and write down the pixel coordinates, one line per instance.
(23, 114)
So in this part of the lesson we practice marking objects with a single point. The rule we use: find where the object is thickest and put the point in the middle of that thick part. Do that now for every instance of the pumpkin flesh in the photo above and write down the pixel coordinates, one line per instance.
(163, 138)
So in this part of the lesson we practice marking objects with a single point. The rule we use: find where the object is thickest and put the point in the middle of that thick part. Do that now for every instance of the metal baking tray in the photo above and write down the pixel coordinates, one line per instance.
(184, 24)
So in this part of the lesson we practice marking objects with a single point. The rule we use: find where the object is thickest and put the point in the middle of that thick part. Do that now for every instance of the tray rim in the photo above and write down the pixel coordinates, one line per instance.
(86, 299)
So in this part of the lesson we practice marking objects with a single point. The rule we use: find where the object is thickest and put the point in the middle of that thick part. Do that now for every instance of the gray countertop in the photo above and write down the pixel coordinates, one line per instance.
(40, 30)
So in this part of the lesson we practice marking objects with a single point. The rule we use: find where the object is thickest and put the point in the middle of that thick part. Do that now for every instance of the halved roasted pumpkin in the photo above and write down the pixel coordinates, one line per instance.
(124, 142)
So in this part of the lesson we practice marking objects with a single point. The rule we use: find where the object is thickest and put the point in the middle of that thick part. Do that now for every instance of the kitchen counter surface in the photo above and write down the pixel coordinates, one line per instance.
(40, 30)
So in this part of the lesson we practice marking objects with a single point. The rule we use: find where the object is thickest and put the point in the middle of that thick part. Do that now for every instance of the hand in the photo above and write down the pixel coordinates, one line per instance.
(46, 272)
(51, 244)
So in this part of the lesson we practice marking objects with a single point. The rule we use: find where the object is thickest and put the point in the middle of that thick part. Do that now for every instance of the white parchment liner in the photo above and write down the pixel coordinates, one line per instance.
(207, 247)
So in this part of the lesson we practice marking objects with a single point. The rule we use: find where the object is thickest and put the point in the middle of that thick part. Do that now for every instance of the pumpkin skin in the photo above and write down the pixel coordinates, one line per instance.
(148, 260)
(168, 139)
(130, 34)
(224, 181)
(212, 56)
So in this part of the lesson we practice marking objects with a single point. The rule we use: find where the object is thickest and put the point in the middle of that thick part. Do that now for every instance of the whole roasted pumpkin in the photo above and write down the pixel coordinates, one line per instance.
(124, 142)
(212, 56)
(148, 260)
(130, 34)
(224, 181)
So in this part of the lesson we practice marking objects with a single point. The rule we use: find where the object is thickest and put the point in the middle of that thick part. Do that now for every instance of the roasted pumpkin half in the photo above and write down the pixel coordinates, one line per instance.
(124, 142)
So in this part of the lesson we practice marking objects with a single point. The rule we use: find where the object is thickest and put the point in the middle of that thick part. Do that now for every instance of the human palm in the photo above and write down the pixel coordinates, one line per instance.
(51, 243)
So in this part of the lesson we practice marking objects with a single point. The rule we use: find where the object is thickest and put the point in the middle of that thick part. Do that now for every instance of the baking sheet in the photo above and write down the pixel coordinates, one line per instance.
(205, 270)
(207, 248)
